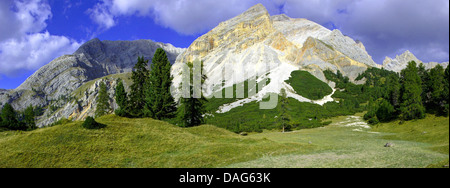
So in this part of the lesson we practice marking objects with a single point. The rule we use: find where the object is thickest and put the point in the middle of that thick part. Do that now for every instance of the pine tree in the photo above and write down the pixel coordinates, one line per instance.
(29, 118)
(283, 117)
(159, 102)
(103, 105)
(393, 89)
(445, 93)
(121, 99)
(435, 85)
(191, 109)
(411, 106)
(137, 94)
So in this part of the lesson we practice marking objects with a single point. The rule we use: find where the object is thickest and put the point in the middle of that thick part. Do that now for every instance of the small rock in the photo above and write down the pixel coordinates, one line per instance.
(309, 142)
(388, 145)
(243, 134)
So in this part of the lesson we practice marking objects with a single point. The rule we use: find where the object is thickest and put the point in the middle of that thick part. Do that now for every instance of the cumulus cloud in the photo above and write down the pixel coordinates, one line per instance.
(186, 17)
(23, 44)
(33, 51)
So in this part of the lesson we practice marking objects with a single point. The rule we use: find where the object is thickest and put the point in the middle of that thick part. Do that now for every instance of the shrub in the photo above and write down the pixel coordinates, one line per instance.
(90, 123)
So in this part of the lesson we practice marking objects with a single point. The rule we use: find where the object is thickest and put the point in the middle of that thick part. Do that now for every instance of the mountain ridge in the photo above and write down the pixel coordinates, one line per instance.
(56, 80)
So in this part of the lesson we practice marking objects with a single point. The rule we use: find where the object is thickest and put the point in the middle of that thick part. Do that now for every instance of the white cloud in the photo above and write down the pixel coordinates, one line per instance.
(23, 44)
(33, 51)
(184, 16)
(102, 16)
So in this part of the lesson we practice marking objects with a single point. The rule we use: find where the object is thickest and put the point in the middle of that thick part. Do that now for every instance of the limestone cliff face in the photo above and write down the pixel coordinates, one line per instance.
(255, 44)
(401, 61)
(94, 59)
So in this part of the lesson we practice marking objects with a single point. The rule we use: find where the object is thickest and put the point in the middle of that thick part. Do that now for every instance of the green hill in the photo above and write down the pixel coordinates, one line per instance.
(307, 85)
(131, 143)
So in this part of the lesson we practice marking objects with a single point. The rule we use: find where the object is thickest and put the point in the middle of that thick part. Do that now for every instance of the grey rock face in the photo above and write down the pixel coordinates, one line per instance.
(94, 59)
(401, 61)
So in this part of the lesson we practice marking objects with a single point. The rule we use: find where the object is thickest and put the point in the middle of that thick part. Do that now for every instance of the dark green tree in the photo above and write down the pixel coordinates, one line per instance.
(121, 99)
(393, 90)
(435, 87)
(445, 93)
(283, 117)
(137, 93)
(159, 102)
(9, 118)
(191, 109)
(385, 111)
(29, 118)
(103, 106)
(411, 106)
(90, 123)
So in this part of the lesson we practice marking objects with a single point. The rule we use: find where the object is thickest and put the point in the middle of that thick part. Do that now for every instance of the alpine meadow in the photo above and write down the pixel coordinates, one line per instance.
(258, 87)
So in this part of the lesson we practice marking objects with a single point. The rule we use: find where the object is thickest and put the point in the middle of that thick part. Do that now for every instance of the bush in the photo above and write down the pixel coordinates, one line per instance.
(90, 123)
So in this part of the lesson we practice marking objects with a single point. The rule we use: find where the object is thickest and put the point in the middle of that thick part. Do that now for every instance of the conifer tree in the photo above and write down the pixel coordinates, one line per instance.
(445, 93)
(191, 109)
(393, 89)
(9, 117)
(103, 105)
(435, 87)
(137, 94)
(159, 102)
(283, 117)
(29, 117)
(411, 106)
(121, 99)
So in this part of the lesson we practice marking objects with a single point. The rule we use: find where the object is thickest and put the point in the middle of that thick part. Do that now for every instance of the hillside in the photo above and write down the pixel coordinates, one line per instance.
(132, 143)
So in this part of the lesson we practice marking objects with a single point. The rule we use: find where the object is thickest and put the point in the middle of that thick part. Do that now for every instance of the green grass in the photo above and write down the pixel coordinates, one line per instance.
(340, 146)
(135, 143)
(308, 85)
(132, 143)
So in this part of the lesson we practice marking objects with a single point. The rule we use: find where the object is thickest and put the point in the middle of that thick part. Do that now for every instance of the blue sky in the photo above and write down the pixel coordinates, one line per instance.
(34, 32)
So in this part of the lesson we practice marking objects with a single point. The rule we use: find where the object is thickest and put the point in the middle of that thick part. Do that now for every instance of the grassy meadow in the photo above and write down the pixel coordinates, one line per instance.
(142, 143)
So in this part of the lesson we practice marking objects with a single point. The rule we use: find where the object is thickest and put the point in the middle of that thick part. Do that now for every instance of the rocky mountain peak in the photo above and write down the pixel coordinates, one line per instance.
(93, 46)
(401, 61)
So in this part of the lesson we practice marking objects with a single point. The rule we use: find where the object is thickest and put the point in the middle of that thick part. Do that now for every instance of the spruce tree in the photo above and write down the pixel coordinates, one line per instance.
(393, 89)
(9, 117)
(191, 109)
(121, 99)
(29, 117)
(411, 106)
(283, 118)
(103, 105)
(159, 102)
(137, 93)
(435, 87)
(445, 93)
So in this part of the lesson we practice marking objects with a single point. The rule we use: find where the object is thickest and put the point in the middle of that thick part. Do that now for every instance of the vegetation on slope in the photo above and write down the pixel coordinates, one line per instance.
(132, 143)
(307, 85)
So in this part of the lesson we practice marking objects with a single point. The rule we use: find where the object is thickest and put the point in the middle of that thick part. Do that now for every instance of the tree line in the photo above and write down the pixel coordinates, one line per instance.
(12, 120)
(150, 94)
(411, 94)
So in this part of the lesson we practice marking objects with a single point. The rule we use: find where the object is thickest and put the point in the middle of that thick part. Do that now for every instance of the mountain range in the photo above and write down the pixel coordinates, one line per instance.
(253, 44)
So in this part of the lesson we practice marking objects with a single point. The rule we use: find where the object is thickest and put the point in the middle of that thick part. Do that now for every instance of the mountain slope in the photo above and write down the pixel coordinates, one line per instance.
(256, 45)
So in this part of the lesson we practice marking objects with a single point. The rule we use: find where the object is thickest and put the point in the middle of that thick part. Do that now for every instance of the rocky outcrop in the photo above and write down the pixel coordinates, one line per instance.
(94, 59)
(401, 61)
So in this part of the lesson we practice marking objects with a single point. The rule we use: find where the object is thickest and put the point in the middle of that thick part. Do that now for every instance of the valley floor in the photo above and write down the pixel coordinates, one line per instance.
(350, 142)
(347, 142)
